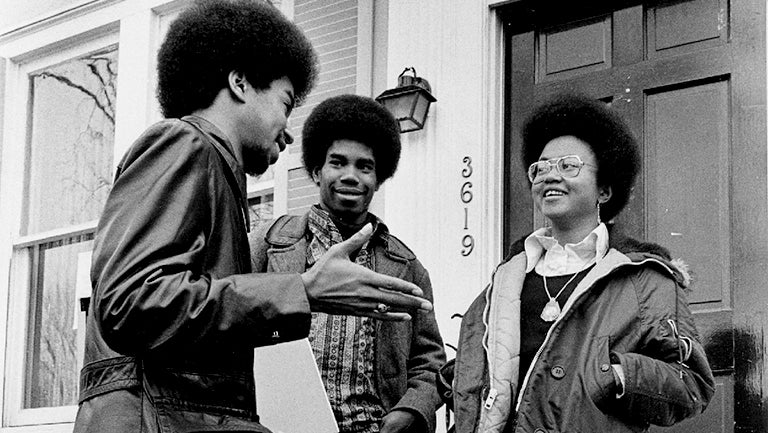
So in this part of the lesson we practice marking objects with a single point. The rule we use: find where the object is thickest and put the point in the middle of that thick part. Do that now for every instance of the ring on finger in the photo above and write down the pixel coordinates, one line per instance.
(381, 308)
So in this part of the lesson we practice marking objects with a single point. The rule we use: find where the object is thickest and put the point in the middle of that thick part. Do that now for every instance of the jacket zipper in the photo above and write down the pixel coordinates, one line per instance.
(492, 392)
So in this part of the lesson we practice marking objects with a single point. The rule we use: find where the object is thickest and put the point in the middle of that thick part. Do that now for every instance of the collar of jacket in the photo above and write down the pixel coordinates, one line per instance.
(636, 251)
(289, 230)
(224, 147)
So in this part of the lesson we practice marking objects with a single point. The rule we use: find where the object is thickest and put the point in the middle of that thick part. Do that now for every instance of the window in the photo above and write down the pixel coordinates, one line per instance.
(71, 131)
(68, 158)
(66, 153)
(261, 207)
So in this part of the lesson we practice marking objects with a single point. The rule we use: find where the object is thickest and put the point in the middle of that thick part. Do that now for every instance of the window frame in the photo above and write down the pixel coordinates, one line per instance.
(135, 28)
(14, 149)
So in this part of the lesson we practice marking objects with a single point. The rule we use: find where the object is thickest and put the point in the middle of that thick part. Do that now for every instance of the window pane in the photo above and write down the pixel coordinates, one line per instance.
(71, 136)
(261, 208)
(52, 350)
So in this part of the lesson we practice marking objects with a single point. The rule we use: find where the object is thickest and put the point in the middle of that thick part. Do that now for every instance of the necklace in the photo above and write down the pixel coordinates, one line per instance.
(552, 310)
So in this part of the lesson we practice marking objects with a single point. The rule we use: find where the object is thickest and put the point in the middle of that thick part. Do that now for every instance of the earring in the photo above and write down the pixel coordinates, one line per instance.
(599, 221)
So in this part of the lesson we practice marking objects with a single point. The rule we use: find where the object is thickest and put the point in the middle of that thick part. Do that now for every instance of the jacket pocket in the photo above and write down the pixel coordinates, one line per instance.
(174, 419)
(598, 375)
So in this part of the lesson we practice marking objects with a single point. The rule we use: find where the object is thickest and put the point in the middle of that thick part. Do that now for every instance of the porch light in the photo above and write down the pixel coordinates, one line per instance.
(409, 101)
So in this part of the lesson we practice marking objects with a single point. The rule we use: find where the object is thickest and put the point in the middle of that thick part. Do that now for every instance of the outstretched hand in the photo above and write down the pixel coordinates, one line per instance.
(336, 285)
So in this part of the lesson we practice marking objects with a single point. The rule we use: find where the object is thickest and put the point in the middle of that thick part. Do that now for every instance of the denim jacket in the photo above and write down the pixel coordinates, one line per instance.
(408, 354)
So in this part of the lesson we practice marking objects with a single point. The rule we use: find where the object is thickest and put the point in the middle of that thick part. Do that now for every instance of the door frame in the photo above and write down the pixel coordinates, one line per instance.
(745, 327)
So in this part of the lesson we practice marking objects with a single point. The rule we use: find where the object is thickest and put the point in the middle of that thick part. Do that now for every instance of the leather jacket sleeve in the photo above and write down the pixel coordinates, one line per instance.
(163, 277)
(667, 377)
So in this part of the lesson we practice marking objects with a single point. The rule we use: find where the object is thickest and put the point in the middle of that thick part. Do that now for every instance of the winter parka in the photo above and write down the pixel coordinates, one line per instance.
(630, 309)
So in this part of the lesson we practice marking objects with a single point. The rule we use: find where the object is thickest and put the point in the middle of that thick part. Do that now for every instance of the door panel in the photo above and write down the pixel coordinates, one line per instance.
(677, 27)
(688, 76)
(686, 164)
(575, 49)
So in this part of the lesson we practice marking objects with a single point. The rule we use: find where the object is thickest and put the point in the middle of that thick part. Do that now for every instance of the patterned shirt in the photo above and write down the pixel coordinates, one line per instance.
(344, 345)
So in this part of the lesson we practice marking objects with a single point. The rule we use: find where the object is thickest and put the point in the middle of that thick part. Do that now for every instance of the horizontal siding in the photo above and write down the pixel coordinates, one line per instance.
(322, 41)
(302, 192)
(308, 9)
(331, 26)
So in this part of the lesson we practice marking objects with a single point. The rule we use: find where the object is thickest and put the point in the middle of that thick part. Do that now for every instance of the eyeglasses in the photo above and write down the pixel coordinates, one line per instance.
(567, 166)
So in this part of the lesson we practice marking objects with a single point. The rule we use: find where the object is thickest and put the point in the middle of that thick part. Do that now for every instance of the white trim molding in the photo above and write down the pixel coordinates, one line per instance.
(135, 27)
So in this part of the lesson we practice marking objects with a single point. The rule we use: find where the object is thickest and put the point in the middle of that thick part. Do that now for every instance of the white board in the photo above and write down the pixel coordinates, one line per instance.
(290, 396)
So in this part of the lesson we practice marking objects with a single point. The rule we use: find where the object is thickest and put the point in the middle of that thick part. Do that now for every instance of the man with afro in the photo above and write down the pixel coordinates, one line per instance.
(176, 310)
(379, 376)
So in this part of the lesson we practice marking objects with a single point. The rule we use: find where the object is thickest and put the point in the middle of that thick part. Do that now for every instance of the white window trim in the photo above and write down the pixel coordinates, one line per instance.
(134, 25)
(11, 194)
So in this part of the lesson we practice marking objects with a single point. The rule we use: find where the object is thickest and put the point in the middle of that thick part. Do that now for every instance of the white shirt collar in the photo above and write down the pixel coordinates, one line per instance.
(549, 258)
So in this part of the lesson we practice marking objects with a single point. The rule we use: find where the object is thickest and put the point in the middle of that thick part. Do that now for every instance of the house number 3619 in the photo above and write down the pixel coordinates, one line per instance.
(467, 241)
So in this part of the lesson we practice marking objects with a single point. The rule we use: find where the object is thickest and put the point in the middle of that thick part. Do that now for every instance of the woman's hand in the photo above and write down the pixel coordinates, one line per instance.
(397, 421)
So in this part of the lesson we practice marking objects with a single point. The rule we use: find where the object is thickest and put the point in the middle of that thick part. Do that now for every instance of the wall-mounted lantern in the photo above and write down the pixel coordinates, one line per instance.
(409, 101)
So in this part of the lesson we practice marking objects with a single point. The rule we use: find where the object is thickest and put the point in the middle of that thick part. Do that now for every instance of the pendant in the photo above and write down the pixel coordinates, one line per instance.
(551, 311)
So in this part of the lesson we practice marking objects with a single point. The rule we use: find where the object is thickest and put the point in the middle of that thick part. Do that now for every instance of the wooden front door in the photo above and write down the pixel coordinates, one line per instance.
(689, 77)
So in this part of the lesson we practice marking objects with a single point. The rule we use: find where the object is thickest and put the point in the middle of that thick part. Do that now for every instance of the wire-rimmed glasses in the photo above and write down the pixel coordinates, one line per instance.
(567, 166)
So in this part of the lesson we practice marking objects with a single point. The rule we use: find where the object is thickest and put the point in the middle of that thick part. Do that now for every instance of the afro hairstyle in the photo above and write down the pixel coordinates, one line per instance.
(352, 117)
(214, 37)
(593, 122)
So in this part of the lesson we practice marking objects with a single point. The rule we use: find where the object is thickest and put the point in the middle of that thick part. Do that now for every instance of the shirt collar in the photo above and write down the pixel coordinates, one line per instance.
(320, 222)
(545, 254)
(325, 234)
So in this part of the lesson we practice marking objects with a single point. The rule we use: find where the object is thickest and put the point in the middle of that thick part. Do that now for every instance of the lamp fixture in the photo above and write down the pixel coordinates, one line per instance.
(409, 101)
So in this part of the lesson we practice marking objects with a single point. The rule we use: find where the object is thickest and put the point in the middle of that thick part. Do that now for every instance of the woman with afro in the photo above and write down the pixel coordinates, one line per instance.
(581, 329)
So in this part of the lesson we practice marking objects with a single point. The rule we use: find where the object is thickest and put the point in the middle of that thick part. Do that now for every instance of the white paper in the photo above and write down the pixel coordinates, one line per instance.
(290, 396)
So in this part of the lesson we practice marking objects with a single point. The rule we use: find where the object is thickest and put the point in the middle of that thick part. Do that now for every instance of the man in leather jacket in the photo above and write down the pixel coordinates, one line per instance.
(176, 310)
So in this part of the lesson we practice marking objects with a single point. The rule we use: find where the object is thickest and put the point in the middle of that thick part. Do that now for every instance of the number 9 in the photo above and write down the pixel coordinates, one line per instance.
(468, 242)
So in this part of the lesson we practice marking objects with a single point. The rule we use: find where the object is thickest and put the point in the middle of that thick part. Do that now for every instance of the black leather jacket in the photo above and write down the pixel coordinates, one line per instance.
(175, 311)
